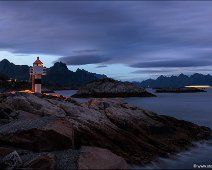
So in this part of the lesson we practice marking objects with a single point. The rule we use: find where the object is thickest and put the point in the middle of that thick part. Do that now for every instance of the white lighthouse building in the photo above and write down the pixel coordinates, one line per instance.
(36, 73)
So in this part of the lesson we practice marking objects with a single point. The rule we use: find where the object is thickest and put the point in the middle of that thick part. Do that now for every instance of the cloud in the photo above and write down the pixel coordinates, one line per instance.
(83, 59)
(87, 51)
(173, 63)
(101, 66)
(139, 34)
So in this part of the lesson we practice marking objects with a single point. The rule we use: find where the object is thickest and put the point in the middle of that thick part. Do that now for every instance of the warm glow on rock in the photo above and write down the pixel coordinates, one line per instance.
(27, 91)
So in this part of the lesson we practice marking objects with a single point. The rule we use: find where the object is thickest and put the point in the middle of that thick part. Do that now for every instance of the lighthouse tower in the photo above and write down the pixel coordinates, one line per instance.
(36, 73)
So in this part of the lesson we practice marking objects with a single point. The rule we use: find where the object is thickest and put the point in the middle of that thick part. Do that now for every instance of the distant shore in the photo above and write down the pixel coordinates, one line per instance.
(179, 90)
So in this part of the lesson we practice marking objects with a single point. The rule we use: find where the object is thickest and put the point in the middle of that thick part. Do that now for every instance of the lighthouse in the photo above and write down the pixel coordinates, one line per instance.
(36, 73)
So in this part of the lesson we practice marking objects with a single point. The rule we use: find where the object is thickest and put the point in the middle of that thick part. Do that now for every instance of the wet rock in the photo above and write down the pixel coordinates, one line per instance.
(41, 134)
(98, 158)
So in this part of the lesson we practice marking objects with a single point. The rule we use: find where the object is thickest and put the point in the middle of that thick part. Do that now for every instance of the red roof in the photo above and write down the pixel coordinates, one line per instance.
(37, 61)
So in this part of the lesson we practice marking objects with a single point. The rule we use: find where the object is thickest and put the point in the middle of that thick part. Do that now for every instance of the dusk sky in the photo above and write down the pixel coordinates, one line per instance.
(124, 40)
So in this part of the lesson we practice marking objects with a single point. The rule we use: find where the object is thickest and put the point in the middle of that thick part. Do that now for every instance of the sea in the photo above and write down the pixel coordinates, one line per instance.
(193, 107)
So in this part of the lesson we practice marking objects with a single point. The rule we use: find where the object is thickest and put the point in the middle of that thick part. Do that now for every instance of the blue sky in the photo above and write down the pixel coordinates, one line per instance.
(126, 40)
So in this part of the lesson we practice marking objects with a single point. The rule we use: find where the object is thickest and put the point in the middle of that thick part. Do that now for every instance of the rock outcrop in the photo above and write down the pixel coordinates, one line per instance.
(41, 134)
(62, 127)
(107, 87)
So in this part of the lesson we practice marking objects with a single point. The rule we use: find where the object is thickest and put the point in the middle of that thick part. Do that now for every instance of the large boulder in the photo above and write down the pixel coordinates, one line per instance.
(111, 88)
(41, 134)
(98, 158)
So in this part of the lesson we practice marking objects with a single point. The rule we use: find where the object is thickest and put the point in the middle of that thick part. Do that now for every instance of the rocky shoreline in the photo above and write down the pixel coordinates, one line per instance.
(53, 132)
(109, 88)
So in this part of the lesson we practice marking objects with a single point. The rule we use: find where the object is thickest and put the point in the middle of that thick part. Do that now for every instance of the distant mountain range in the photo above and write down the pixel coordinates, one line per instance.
(20, 72)
(177, 81)
(58, 74)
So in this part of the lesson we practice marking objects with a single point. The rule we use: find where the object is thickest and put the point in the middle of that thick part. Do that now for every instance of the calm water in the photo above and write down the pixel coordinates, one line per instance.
(194, 107)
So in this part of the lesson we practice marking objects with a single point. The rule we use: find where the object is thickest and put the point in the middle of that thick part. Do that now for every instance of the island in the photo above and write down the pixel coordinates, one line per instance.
(107, 88)
(179, 90)
(53, 132)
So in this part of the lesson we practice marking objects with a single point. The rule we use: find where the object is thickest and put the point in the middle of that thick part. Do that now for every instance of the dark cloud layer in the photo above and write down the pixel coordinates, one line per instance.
(83, 59)
(139, 34)
(173, 63)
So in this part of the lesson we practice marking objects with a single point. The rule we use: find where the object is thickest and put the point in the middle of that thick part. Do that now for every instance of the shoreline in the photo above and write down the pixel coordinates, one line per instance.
(121, 129)
(171, 162)
(179, 90)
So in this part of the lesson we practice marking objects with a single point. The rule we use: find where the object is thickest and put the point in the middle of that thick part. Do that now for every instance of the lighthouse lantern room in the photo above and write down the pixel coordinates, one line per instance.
(36, 73)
